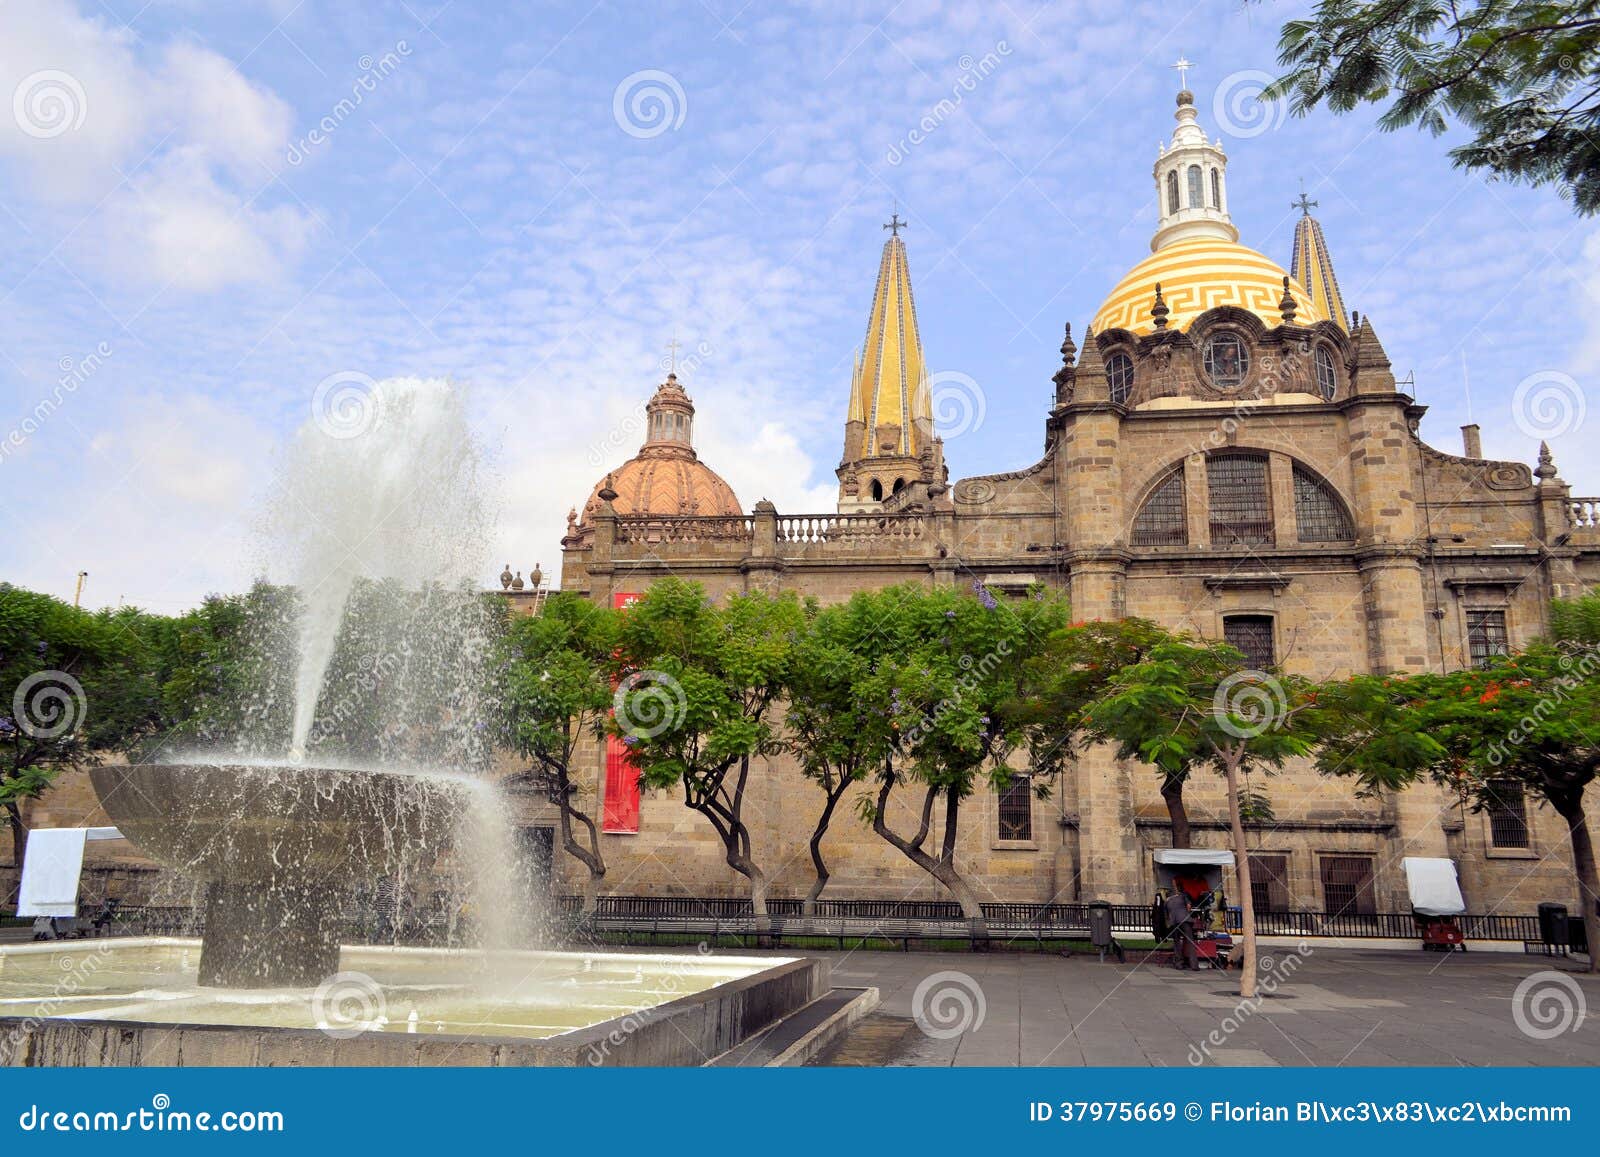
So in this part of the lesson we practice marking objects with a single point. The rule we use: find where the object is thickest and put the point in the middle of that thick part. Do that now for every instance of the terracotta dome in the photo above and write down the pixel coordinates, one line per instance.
(666, 478)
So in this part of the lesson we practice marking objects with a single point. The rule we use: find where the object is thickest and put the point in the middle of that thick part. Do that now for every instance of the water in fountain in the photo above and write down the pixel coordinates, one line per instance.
(378, 518)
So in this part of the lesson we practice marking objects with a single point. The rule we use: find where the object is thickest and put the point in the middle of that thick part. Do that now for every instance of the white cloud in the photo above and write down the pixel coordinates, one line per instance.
(167, 150)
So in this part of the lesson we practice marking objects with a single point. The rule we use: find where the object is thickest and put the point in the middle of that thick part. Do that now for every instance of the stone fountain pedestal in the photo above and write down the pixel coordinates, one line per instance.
(278, 847)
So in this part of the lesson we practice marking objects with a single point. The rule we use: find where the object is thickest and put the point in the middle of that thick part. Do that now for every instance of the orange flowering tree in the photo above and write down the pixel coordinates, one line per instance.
(1528, 722)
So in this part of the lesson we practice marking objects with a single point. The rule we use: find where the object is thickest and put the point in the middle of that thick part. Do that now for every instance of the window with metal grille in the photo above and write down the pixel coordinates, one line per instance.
(1226, 359)
(1197, 199)
(1347, 886)
(1119, 373)
(1252, 636)
(1164, 518)
(1241, 507)
(1319, 516)
(1269, 882)
(1016, 809)
(1486, 636)
(1327, 375)
(1508, 814)
(1172, 191)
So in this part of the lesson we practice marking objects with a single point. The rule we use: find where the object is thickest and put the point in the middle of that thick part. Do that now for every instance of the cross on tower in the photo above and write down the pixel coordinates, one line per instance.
(672, 354)
(1304, 204)
(1183, 67)
(895, 224)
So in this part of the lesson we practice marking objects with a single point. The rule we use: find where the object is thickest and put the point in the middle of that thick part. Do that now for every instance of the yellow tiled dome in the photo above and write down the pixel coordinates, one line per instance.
(1198, 275)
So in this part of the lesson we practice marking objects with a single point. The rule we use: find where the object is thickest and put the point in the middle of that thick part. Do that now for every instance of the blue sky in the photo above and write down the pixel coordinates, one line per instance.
(497, 209)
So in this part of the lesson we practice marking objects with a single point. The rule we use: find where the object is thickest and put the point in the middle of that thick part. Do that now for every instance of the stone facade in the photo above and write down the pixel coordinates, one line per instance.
(1243, 461)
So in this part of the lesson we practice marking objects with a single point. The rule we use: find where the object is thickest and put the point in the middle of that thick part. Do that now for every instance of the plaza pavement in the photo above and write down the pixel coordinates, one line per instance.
(1333, 1007)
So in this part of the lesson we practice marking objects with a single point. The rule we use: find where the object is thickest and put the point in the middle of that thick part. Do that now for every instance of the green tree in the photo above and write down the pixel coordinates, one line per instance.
(1072, 671)
(557, 671)
(75, 686)
(948, 669)
(1522, 75)
(1527, 722)
(1194, 702)
(835, 734)
(697, 702)
(1576, 620)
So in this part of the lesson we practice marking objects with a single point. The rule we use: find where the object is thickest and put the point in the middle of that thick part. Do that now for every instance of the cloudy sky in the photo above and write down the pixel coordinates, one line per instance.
(208, 210)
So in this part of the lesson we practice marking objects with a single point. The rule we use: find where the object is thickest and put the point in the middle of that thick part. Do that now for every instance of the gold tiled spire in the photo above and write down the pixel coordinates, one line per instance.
(1313, 268)
(888, 393)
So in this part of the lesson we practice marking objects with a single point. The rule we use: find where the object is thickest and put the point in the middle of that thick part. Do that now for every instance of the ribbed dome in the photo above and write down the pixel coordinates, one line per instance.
(666, 477)
(667, 484)
(1199, 275)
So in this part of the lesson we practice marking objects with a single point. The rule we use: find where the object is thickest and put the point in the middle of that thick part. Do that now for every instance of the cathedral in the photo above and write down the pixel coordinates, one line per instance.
(1228, 454)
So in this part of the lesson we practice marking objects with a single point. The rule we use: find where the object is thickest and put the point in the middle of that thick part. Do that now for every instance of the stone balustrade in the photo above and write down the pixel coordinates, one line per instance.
(1585, 513)
(690, 528)
(851, 528)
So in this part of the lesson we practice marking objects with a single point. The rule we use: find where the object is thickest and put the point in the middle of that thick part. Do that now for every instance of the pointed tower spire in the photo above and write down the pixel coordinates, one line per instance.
(1312, 267)
(1191, 179)
(890, 421)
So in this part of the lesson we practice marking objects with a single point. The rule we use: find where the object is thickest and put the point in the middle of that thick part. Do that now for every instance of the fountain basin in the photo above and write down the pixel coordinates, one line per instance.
(277, 845)
(138, 1002)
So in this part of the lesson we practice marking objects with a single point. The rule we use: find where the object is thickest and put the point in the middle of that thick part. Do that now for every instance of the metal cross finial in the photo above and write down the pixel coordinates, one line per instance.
(895, 224)
(672, 354)
(1183, 67)
(1304, 204)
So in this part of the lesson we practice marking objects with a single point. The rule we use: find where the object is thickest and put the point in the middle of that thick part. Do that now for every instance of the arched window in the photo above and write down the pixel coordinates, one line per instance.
(1241, 504)
(877, 490)
(899, 485)
(1119, 373)
(1163, 520)
(1227, 359)
(1318, 514)
(1216, 189)
(1172, 191)
(1327, 376)
(1197, 198)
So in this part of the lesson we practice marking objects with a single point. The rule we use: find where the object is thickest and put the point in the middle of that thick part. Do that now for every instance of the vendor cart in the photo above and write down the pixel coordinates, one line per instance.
(1197, 873)
(1435, 902)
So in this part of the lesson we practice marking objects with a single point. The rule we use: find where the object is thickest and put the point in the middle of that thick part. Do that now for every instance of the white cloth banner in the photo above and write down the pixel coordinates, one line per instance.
(1433, 886)
(50, 872)
(1206, 856)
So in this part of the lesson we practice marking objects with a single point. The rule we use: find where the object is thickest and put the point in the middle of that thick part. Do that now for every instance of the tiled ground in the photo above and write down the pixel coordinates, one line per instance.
(1333, 1007)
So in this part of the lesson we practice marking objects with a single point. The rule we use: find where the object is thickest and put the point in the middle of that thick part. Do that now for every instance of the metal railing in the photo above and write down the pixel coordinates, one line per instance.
(892, 919)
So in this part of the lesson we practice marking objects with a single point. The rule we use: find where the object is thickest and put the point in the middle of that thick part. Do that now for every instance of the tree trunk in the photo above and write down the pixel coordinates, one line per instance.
(590, 857)
(941, 867)
(1172, 793)
(19, 838)
(809, 909)
(1588, 880)
(1241, 869)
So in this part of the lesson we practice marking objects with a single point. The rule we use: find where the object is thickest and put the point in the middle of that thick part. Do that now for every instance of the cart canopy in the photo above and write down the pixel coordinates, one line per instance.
(1178, 857)
(1433, 886)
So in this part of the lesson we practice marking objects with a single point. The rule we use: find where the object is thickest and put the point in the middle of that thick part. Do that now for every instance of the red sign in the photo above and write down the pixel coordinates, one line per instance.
(621, 813)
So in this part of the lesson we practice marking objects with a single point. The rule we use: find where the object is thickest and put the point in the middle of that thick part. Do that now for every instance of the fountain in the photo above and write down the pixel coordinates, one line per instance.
(378, 518)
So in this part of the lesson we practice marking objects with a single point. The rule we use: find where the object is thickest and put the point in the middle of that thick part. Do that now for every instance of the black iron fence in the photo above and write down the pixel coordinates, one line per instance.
(898, 920)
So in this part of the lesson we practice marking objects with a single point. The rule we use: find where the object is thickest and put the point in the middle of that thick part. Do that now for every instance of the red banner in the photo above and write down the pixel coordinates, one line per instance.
(621, 813)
